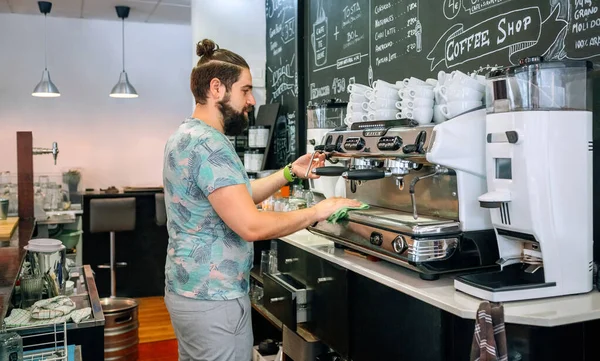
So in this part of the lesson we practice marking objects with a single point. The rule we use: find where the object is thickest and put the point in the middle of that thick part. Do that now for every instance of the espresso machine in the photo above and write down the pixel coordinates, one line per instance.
(422, 184)
(321, 119)
(539, 171)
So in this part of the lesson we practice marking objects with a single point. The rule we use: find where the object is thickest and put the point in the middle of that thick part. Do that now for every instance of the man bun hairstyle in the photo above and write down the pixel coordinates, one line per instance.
(217, 63)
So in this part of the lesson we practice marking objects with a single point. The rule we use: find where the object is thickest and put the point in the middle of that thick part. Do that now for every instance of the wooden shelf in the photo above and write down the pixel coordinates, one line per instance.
(268, 315)
(255, 273)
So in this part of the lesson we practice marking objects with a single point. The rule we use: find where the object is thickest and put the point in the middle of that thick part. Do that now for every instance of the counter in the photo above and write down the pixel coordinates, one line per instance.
(11, 258)
(441, 293)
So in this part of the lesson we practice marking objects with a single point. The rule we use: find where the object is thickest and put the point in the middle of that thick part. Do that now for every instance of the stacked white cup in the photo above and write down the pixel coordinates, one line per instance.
(416, 100)
(457, 93)
(358, 103)
(382, 100)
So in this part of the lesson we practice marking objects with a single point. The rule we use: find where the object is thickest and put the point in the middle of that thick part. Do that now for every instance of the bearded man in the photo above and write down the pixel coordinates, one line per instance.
(212, 216)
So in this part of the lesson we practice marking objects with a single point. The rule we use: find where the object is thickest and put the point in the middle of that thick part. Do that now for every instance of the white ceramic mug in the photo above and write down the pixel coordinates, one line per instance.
(357, 117)
(415, 103)
(389, 93)
(416, 92)
(462, 79)
(358, 88)
(438, 116)
(381, 103)
(452, 109)
(383, 114)
(420, 115)
(358, 98)
(412, 81)
(357, 107)
(382, 84)
(455, 92)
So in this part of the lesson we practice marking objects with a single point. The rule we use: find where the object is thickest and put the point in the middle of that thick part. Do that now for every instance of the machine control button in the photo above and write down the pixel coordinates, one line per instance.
(376, 239)
(389, 143)
(399, 245)
(354, 143)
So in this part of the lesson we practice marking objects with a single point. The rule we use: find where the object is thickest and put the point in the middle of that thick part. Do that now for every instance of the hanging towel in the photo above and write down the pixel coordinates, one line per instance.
(343, 213)
(489, 339)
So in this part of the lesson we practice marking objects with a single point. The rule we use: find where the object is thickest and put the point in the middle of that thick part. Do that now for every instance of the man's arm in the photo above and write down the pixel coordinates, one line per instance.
(263, 188)
(237, 209)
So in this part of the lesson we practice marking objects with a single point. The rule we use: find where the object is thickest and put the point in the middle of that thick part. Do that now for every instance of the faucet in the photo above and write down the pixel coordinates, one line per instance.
(438, 170)
(53, 151)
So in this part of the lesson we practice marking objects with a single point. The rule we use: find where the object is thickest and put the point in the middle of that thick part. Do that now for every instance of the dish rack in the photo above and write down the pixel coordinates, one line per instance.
(44, 342)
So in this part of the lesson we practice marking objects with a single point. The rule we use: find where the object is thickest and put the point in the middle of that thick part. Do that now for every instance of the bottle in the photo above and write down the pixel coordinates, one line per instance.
(11, 347)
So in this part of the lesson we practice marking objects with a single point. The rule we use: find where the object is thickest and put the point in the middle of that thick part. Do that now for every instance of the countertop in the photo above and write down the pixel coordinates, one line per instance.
(441, 293)
(11, 258)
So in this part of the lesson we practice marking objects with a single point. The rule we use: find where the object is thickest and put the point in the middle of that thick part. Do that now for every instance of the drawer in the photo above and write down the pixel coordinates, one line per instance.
(287, 299)
(291, 260)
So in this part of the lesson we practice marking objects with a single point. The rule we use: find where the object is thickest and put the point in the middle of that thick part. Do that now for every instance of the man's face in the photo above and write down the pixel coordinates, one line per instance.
(236, 104)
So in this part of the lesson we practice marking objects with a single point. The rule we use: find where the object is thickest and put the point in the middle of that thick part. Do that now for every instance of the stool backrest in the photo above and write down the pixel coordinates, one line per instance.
(112, 214)
(161, 211)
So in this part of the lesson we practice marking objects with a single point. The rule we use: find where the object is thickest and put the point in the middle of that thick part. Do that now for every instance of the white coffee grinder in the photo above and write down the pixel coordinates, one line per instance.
(321, 119)
(539, 176)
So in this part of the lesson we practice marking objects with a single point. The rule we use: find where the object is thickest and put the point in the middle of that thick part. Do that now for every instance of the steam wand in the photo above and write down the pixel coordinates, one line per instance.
(439, 170)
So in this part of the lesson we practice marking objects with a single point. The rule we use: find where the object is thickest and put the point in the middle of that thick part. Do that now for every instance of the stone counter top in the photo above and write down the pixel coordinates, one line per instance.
(441, 293)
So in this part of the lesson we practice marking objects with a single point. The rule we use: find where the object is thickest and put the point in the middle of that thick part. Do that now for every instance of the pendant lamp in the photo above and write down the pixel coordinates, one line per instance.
(45, 88)
(123, 89)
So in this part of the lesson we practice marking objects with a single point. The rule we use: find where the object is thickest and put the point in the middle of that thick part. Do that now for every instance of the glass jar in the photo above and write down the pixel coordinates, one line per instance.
(11, 347)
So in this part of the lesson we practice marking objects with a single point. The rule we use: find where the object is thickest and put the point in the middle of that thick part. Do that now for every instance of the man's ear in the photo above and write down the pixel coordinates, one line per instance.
(216, 89)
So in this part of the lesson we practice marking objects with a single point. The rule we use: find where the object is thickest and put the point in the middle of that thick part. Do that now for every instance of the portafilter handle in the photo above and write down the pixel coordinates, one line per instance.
(329, 171)
(366, 174)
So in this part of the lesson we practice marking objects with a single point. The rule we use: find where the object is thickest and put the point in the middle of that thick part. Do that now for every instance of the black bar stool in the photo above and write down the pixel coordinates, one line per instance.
(161, 211)
(112, 215)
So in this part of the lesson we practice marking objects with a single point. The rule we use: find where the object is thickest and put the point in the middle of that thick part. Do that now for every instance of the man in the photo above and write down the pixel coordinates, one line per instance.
(212, 214)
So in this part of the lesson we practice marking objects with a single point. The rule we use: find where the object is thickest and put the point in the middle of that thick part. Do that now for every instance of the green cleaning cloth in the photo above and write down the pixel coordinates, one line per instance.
(343, 213)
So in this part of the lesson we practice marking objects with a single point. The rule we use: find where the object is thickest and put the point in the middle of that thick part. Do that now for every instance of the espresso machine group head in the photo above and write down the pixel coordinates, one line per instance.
(539, 191)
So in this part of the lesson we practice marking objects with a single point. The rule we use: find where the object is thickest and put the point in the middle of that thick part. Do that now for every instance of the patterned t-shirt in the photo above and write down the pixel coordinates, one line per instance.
(205, 259)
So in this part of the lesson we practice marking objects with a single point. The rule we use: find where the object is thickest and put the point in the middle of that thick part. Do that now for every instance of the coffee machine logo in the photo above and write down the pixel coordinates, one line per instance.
(319, 36)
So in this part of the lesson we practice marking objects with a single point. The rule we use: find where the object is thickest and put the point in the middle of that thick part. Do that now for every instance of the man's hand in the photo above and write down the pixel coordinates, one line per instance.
(301, 164)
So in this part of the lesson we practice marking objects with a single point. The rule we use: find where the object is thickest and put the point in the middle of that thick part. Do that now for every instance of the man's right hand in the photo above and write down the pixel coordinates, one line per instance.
(329, 206)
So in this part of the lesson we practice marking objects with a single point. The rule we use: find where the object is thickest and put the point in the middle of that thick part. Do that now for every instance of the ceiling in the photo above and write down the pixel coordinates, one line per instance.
(148, 11)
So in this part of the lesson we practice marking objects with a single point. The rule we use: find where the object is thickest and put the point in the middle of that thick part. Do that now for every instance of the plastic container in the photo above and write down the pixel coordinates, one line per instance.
(69, 238)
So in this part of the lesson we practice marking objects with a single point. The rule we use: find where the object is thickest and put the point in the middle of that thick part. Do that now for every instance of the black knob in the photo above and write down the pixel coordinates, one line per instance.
(376, 239)
(409, 148)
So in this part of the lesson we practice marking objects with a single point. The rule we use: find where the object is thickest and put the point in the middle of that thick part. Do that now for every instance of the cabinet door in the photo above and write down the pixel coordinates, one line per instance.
(329, 303)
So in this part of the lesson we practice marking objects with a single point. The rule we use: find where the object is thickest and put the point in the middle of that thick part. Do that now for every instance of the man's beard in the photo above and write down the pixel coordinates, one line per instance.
(234, 122)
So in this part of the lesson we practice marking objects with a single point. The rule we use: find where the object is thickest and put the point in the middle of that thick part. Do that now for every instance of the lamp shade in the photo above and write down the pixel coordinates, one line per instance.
(46, 88)
(123, 89)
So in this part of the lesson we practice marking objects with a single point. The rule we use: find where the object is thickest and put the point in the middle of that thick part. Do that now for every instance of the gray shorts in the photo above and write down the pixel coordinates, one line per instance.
(211, 330)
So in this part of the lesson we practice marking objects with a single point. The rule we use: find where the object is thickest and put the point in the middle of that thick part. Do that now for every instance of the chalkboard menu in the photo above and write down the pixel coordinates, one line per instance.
(364, 40)
(282, 78)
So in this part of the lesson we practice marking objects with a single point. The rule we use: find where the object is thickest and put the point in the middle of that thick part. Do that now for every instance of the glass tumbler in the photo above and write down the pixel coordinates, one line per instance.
(32, 288)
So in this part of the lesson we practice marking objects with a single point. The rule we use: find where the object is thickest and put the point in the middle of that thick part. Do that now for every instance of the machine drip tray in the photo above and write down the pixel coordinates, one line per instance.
(510, 278)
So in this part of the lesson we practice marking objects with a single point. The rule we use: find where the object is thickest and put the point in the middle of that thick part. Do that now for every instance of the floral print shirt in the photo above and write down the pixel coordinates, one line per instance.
(206, 260)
